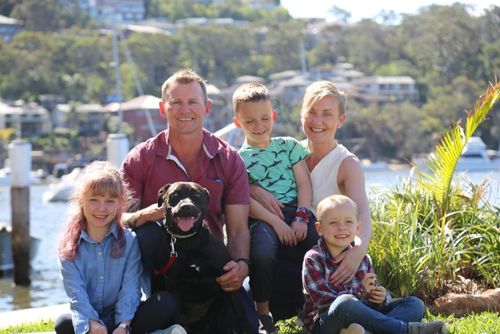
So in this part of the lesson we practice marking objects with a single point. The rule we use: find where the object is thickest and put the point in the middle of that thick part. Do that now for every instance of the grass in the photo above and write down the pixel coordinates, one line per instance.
(482, 323)
(42, 326)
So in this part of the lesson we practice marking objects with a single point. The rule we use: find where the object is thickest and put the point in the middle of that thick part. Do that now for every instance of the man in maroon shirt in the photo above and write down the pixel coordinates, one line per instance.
(187, 152)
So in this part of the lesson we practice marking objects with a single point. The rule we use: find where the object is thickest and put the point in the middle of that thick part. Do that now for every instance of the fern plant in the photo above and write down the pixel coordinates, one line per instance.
(443, 161)
(429, 231)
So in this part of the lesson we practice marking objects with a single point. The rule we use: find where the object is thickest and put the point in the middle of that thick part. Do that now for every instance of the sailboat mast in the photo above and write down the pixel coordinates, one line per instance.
(116, 59)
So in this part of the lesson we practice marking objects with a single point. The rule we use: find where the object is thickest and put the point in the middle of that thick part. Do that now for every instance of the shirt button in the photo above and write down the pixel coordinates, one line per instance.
(101, 278)
(99, 253)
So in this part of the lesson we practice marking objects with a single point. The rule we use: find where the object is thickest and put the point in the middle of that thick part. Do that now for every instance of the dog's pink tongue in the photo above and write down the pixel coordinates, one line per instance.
(185, 223)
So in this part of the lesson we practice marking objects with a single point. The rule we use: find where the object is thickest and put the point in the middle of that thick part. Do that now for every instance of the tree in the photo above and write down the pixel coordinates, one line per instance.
(441, 42)
(368, 45)
(281, 42)
(217, 52)
(48, 15)
(155, 57)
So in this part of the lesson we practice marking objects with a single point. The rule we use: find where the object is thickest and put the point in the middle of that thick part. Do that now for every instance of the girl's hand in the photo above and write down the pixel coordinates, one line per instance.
(351, 260)
(377, 294)
(299, 229)
(97, 328)
(120, 330)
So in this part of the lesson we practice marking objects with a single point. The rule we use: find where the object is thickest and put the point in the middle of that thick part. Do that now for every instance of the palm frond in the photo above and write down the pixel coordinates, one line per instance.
(443, 161)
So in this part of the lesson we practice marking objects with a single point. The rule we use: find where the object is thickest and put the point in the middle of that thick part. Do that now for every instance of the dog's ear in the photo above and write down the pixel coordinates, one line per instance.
(206, 193)
(161, 193)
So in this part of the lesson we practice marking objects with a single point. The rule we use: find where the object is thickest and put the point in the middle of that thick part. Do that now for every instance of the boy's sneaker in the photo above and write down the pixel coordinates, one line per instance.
(267, 324)
(433, 327)
(174, 329)
(353, 329)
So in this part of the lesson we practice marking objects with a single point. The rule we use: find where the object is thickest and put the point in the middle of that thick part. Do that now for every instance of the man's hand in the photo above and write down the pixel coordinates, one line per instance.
(351, 259)
(299, 229)
(267, 200)
(232, 279)
(97, 328)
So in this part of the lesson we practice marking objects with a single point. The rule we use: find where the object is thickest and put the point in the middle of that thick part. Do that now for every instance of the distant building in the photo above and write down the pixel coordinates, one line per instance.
(9, 28)
(393, 88)
(263, 4)
(115, 10)
(222, 111)
(142, 114)
(29, 119)
(89, 119)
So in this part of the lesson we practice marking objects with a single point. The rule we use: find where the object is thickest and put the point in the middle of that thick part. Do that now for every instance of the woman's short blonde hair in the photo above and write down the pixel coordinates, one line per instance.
(320, 89)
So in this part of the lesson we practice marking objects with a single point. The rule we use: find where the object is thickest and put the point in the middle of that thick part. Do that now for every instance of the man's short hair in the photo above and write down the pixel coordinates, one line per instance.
(184, 76)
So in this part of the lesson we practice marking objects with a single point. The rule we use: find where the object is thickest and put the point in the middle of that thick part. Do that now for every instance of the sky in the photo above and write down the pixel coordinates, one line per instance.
(360, 9)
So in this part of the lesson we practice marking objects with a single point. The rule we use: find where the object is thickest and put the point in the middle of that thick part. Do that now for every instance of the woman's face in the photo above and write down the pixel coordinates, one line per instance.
(322, 119)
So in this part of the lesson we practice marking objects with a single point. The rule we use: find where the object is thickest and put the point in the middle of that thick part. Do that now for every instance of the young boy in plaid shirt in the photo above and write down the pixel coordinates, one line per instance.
(361, 303)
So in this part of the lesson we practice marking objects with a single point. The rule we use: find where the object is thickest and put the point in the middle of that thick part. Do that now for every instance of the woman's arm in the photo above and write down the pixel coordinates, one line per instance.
(304, 187)
(304, 197)
(351, 180)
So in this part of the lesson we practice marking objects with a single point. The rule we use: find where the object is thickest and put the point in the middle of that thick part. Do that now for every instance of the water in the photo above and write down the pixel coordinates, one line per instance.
(47, 220)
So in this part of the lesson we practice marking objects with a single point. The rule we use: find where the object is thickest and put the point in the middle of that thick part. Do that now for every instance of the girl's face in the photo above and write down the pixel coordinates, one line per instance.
(322, 119)
(100, 210)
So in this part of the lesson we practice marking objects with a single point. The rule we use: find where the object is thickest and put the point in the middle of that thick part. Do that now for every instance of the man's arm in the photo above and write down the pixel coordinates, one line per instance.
(135, 219)
(238, 245)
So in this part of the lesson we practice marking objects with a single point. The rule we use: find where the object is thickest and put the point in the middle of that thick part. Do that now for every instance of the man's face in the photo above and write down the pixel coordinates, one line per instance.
(185, 108)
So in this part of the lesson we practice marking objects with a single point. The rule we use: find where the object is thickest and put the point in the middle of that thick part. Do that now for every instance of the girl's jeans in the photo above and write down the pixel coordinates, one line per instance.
(391, 319)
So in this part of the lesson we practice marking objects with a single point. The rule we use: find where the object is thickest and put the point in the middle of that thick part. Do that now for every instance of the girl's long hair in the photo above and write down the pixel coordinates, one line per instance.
(98, 178)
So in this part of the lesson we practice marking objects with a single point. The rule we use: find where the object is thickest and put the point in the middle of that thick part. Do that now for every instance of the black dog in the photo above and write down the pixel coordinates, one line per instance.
(190, 259)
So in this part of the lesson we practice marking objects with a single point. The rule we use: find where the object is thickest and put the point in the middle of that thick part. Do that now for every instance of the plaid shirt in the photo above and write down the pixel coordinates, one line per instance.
(319, 293)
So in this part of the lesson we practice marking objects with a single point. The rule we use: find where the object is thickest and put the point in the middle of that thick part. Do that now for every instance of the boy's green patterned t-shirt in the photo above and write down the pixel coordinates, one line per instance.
(272, 167)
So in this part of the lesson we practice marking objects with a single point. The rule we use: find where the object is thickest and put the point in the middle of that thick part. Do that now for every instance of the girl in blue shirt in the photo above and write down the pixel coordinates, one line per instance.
(100, 263)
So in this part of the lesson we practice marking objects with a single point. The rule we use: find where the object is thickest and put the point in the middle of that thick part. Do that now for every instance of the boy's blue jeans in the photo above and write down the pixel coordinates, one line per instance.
(391, 319)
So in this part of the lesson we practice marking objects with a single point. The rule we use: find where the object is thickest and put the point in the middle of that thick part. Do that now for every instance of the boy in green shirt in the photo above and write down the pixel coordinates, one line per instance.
(277, 165)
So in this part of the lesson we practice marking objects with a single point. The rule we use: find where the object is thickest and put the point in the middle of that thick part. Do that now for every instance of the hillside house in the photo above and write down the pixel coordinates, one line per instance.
(28, 119)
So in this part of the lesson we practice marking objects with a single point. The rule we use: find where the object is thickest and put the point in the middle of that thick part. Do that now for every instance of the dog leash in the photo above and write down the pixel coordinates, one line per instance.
(171, 260)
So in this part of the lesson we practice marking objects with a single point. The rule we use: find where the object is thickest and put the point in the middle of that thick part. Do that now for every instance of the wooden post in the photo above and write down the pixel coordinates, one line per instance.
(117, 148)
(20, 166)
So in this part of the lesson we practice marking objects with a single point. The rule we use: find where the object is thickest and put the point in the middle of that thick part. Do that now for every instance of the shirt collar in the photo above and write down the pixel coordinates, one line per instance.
(210, 145)
(113, 230)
